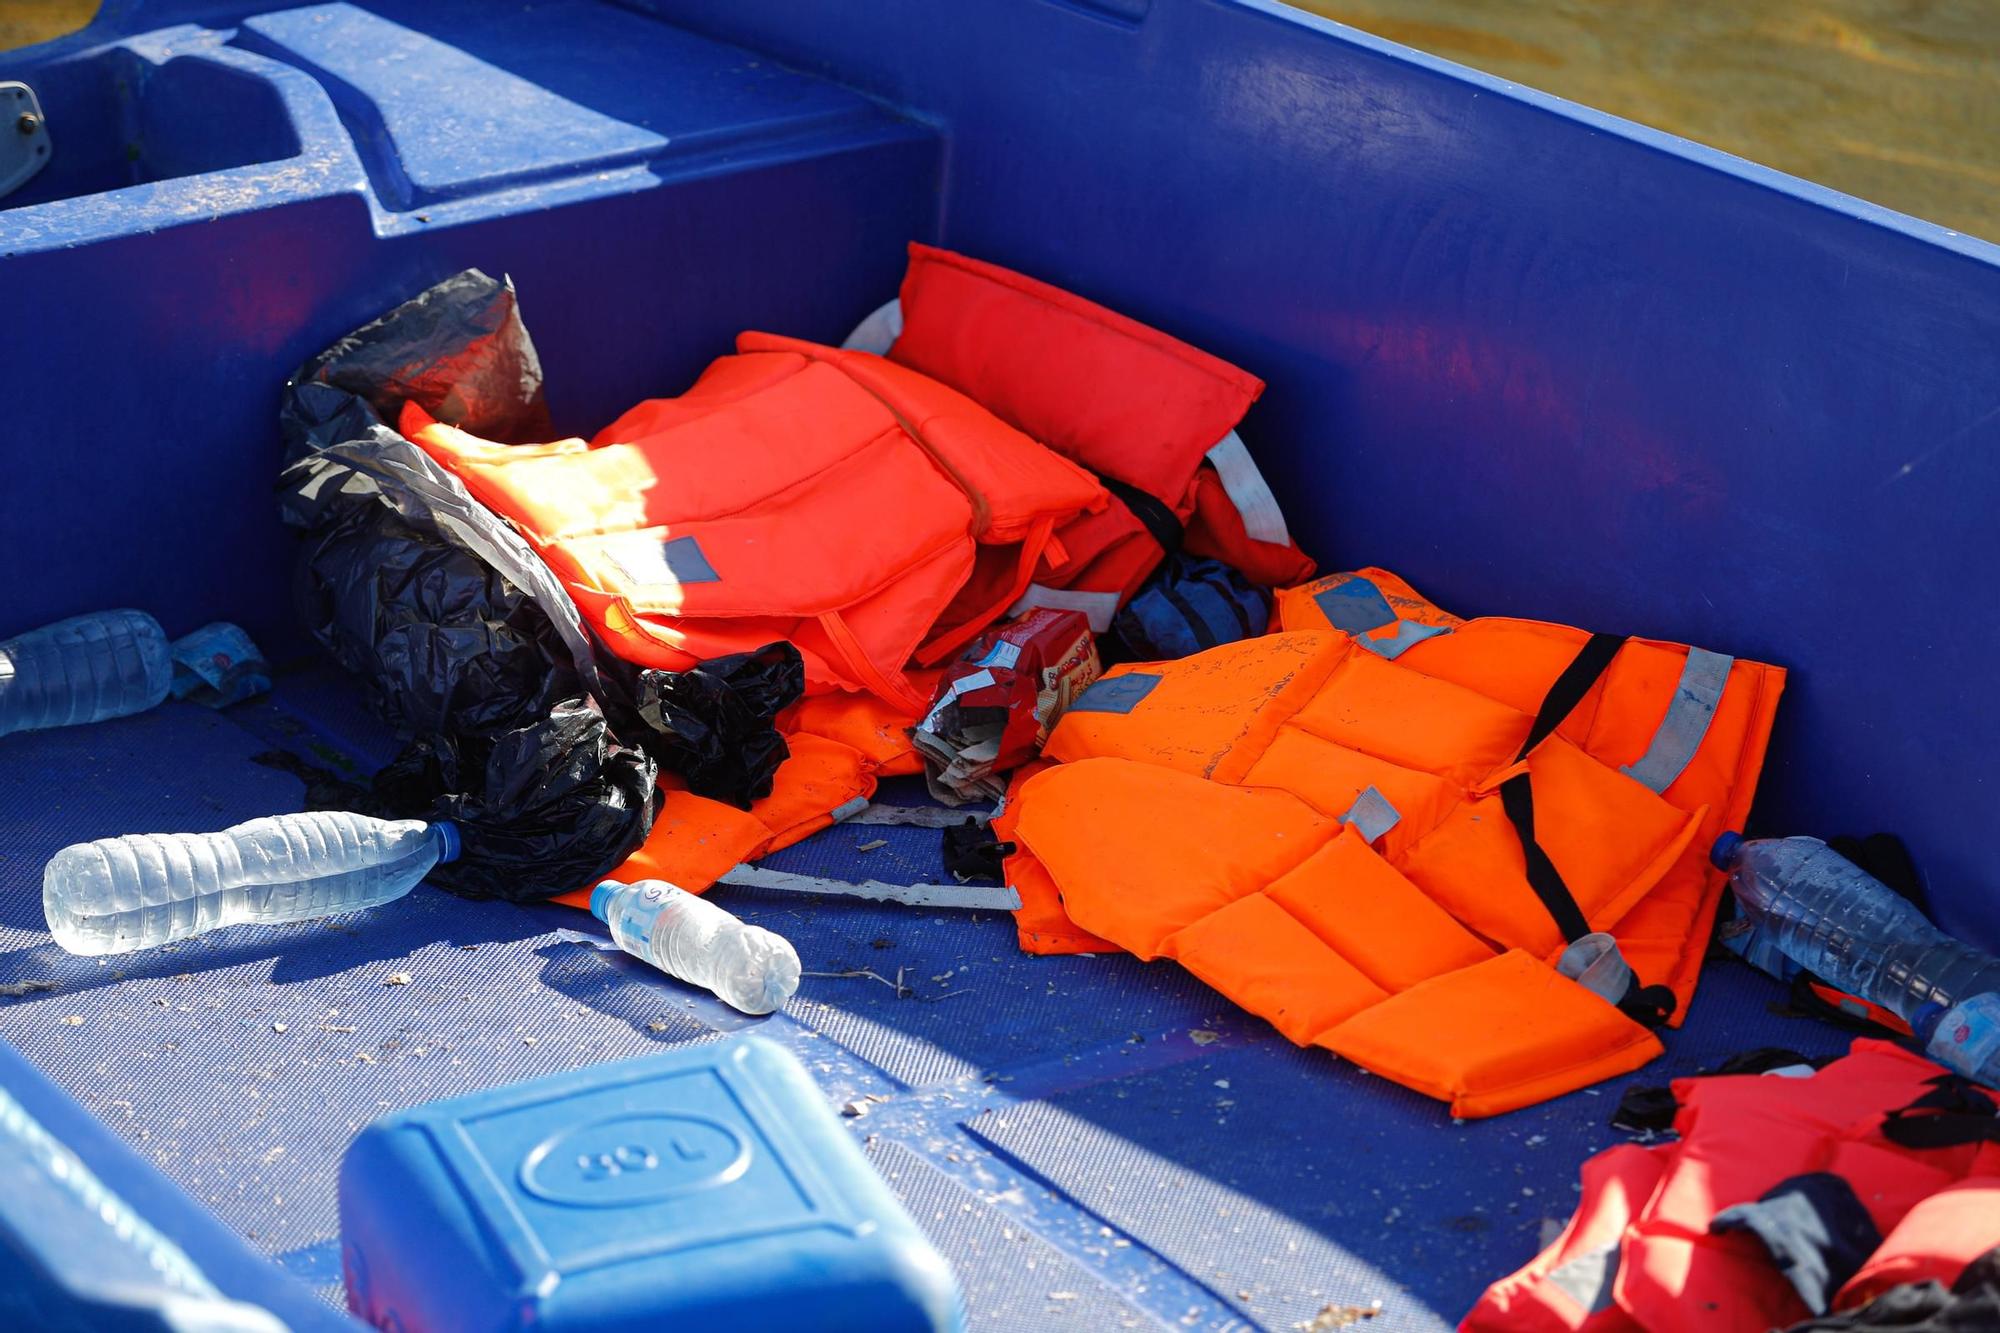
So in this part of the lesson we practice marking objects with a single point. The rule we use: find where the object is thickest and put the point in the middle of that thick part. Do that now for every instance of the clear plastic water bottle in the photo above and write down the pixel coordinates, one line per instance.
(84, 669)
(116, 895)
(1851, 930)
(691, 938)
(1964, 1037)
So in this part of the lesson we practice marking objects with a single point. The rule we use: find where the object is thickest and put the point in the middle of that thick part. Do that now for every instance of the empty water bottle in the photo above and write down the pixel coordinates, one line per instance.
(84, 669)
(1851, 930)
(147, 889)
(691, 938)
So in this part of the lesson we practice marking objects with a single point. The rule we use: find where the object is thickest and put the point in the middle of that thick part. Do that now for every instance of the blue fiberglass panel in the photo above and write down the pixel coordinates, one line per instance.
(1060, 1127)
(142, 436)
(1536, 360)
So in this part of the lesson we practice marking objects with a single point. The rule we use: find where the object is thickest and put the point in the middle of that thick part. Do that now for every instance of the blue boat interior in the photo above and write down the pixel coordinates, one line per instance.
(1537, 361)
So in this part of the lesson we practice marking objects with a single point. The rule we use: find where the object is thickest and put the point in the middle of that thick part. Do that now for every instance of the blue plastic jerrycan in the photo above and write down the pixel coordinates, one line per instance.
(710, 1187)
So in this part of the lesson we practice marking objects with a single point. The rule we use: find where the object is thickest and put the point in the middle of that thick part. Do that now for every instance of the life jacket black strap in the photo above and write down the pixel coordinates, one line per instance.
(1650, 1005)
(1953, 1113)
(1517, 794)
(1149, 510)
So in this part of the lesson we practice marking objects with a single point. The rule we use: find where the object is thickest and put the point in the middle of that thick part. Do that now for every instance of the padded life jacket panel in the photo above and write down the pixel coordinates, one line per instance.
(1933, 1242)
(798, 492)
(1130, 403)
(1315, 823)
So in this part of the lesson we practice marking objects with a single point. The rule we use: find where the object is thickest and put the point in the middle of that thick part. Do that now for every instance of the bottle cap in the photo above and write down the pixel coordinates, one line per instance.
(600, 898)
(450, 843)
(1723, 854)
(1925, 1020)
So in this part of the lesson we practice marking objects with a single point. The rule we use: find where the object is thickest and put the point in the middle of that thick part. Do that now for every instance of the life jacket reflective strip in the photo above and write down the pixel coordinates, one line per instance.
(1218, 810)
(1741, 1135)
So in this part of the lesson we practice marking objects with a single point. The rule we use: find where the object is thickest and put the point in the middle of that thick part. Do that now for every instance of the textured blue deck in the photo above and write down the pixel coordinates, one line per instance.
(1082, 1159)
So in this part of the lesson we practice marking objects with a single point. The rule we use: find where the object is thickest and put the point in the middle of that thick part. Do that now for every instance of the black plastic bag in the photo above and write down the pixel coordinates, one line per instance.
(465, 640)
(441, 642)
(340, 455)
(714, 725)
(458, 350)
(542, 809)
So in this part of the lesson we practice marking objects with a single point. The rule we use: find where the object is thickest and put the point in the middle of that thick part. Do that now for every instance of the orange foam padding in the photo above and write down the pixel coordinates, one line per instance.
(1494, 1037)
(1041, 924)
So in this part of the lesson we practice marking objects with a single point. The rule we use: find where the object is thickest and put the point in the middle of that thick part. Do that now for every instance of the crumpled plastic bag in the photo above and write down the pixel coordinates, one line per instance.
(440, 641)
(542, 808)
(714, 725)
(340, 454)
(458, 349)
(465, 640)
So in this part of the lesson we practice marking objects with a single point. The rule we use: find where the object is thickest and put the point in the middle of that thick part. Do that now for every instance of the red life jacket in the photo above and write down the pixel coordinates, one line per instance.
(1145, 412)
(1639, 1255)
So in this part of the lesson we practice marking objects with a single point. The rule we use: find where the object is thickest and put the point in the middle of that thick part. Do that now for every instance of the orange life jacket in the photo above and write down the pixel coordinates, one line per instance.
(796, 492)
(1639, 1255)
(878, 511)
(1383, 833)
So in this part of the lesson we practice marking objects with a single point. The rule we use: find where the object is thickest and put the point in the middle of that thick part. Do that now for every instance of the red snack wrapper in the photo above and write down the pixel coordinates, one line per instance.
(995, 706)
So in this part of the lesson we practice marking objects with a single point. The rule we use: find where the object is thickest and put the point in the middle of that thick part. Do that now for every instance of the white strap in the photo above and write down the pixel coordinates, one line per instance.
(1097, 607)
(911, 816)
(1263, 520)
(878, 332)
(962, 897)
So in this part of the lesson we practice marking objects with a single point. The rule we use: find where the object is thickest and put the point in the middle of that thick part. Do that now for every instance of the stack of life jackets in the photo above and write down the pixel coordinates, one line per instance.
(1017, 446)
(1469, 855)
(1776, 1190)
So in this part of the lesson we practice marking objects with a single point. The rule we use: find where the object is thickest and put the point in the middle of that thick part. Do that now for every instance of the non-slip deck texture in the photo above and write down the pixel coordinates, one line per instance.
(1091, 1141)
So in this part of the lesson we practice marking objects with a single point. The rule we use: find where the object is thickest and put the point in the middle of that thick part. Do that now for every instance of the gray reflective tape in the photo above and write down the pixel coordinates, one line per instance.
(684, 561)
(1588, 1278)
(1595, 964)
(847, 810)
(647, 562)
(1097, 607)
(1702, 682)
(1409, 634)
(1263, 520)
(879, 331)
(1371, 814)
(1115, 694)
(1356, 606)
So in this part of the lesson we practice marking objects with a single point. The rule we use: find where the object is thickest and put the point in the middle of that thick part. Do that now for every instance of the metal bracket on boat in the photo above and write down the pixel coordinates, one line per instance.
(962, 897)
(24, 136)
